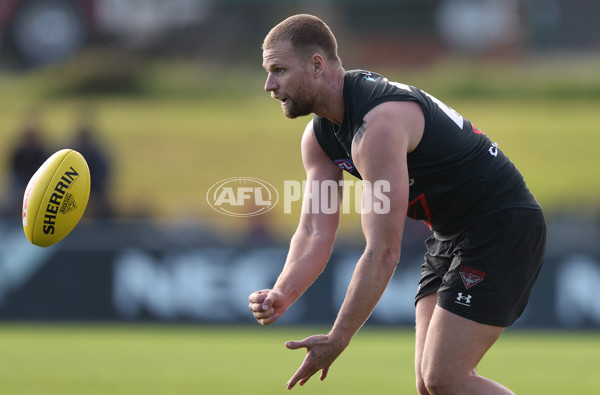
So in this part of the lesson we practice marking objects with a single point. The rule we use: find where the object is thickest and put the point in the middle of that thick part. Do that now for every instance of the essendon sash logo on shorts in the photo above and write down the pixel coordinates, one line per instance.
(470, 276)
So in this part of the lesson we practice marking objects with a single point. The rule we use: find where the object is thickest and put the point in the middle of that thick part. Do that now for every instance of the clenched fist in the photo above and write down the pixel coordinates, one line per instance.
(266, 305)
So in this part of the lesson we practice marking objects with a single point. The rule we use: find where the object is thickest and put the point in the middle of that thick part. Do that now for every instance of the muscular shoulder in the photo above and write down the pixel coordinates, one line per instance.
(313, 155)
(400, 123)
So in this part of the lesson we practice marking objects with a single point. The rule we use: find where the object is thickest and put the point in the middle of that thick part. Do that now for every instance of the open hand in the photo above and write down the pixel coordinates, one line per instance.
(321, 351)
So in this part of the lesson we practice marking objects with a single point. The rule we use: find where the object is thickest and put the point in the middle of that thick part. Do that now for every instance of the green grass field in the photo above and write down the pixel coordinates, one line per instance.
(148, 360)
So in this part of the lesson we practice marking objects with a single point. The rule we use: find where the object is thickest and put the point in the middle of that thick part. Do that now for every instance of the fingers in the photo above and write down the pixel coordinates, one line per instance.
(301, 376)
(309, 342)
(269, 301)
(304, 373)
(258, 296)
(261, 305)
(264, 317)
(324, 374)
(294, 345)
(257, 302)
(310, 365)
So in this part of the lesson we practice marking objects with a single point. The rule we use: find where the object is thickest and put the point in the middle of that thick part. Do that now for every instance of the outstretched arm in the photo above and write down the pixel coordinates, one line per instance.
(379, 151)
(312, 242)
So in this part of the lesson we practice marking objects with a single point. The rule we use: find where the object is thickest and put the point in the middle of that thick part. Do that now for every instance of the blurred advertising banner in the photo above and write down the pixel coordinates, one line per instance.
(134, 272)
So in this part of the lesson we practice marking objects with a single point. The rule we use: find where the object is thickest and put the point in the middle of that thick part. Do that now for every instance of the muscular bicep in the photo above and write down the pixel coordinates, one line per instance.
(379, 150)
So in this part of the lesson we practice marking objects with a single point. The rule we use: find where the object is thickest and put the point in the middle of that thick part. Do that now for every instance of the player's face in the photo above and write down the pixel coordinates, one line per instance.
(288, 80)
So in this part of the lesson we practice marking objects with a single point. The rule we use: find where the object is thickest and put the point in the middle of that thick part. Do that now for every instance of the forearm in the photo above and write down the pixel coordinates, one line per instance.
(307, 257)
(371, 276)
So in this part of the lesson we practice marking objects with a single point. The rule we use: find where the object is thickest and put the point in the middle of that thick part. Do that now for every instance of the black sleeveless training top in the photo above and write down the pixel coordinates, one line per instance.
(457, 174)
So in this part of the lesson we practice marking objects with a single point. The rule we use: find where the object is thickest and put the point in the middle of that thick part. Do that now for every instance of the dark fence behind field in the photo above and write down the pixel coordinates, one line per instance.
(137, 272)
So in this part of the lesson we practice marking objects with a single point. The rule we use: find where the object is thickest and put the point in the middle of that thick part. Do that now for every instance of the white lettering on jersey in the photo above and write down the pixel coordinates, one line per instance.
(453, 115)
(398, 85)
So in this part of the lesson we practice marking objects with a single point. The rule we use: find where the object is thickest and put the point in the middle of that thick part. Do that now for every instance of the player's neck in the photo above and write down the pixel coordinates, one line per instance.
(331, 103)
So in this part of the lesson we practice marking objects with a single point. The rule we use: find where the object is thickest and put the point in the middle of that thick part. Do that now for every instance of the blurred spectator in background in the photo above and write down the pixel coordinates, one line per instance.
(86, 143)
(24, 158)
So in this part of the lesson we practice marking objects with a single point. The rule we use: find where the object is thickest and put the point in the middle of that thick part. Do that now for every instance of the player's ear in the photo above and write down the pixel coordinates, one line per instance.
(317, 65)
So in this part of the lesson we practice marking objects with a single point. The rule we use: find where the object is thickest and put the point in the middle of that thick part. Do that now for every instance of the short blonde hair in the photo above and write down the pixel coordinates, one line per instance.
(307, 34)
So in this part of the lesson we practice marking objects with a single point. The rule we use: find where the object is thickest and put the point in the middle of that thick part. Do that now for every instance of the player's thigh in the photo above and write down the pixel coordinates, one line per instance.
(423, 313)
(454, 345)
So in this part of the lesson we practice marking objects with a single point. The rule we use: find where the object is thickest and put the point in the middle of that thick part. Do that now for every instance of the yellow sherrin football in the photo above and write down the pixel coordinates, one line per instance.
(56, 197)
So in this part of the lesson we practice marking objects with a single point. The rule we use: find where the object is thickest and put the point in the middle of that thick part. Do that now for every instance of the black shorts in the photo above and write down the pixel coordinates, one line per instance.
(486, 273)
